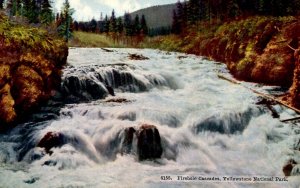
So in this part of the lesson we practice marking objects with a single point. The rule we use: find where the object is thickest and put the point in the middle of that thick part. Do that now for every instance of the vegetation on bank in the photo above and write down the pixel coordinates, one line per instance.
(30, 66)
(33, 49)
(254, 49)
(84, 39)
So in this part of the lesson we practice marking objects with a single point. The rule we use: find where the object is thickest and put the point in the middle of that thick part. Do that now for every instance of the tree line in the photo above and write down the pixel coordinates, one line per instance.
(41, 12)
(36, 11)
(190, 12)
(114, 25)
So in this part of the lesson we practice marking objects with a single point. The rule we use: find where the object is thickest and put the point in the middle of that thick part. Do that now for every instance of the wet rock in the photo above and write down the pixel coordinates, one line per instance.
(106, 50)
(51, 140)
(287, 168)
(76, 89)
(148, 142)
(126, 143)
(110, 90)
(296, 170)
(181, 57)
(117, 100)
(137, 57)
(269, 104)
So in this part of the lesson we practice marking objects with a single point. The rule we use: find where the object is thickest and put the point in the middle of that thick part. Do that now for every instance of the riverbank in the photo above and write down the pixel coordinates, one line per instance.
(30, 67)
(255, 49)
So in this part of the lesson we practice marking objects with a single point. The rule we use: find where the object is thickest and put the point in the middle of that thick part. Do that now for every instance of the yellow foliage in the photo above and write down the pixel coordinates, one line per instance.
(7, 103)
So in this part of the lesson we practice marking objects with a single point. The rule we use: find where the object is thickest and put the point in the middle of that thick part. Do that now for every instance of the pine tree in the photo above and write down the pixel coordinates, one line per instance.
(182, 15)
(113, 22)
(64, 29)
(1, 4)
(175, 24)
(144, 27)
(232, 8)
(120, 25)
(46, 15)
(128, 25)
(106, 25)
(193, 11)
(93, 25)
(31, 11)
(136, 26)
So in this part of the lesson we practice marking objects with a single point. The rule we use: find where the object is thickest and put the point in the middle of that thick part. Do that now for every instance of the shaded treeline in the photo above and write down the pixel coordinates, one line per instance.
(126, 28)
(189, 13)
(38, 13)
(35, 11)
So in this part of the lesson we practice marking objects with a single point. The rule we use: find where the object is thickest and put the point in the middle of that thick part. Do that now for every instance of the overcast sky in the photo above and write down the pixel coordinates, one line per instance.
(88, 9)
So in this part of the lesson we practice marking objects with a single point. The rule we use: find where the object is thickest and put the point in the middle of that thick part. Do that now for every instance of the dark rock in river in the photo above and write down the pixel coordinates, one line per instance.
(137, 57)
(287, 168)
(148, 143)
(51, 140)
(110, 90)
(126, 144)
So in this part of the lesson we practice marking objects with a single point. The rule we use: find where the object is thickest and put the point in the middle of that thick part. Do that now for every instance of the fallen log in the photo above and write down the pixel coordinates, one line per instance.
(263, 95)
(290, 119)
(228, 79)
(106, 50)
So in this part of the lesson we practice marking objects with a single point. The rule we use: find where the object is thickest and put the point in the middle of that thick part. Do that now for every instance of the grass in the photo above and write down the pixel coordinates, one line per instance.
(84, 39)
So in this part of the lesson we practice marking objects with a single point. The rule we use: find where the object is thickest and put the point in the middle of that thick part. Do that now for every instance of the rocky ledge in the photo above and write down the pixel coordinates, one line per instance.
(30, 67)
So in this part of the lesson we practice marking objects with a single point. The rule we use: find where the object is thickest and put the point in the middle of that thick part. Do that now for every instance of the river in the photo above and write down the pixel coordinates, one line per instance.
(209, 127)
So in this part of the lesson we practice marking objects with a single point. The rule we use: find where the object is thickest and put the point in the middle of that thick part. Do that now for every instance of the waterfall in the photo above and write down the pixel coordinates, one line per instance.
(121, 122)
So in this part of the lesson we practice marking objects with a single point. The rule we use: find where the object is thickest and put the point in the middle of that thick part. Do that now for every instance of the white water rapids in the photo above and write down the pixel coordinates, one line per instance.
(209, 127)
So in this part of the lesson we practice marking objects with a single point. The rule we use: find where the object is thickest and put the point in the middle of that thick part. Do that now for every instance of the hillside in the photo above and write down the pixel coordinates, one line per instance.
(157, 16)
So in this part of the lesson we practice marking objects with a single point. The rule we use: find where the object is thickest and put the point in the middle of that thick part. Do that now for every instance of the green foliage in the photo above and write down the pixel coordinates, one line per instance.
(26, 37)
(113, 23)
(84, 39)
(1, 4)
(64, 28)
(46, 15)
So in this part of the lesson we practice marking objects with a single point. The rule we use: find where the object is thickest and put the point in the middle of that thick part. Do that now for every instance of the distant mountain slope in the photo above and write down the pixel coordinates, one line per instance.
(157, 16)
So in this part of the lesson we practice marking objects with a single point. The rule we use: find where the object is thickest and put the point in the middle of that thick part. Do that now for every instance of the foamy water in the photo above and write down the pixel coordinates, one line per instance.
(209, 127)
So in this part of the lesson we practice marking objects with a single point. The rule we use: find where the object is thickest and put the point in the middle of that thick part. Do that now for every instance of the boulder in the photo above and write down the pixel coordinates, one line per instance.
(51, 140)
(126, 143)
(288, 167)
(148, 142)
(137, 57)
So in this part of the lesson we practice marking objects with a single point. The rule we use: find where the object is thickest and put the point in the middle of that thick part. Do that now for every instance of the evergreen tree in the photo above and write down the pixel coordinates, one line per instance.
(32, 13)
(136, 26)
(232, 8)
(120, 25)
(128, 24)
(75, 26)
(93, 25)
(144, 27)
(106, 25)
(64, 29)
(113, 22)
(193, 11)
(175, 24)
(46, 12)
(1, 4)
(182, 15)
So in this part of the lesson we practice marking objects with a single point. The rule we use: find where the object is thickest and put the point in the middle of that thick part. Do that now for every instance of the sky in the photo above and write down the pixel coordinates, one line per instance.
(88, 9)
